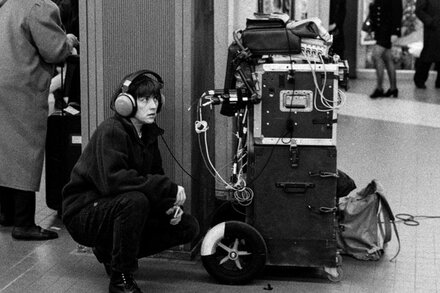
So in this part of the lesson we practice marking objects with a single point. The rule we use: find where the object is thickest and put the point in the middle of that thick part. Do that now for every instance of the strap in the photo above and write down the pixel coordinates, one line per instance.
(388, 218)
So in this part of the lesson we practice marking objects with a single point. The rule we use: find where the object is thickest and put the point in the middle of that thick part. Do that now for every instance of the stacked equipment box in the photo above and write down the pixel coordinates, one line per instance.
(292, 159)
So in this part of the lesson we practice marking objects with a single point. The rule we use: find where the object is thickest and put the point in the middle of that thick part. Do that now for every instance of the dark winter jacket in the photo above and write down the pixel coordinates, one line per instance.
(429, 13)
(386, 16)
(116, 161)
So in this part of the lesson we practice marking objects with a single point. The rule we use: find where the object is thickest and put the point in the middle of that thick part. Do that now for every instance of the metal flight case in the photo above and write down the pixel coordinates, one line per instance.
(294, 206)
(292, 107)
(292, 165)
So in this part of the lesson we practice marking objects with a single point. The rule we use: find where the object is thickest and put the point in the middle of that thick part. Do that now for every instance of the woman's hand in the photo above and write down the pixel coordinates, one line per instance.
(176, 212)
(180, 196)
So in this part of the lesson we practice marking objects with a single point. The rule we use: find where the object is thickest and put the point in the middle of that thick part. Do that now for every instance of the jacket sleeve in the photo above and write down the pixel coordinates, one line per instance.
(47, 32)
(396, 17)
(422, 14)
(116, 174)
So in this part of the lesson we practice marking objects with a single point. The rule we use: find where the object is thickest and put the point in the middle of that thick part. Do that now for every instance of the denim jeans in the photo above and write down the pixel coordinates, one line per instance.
(128, 227)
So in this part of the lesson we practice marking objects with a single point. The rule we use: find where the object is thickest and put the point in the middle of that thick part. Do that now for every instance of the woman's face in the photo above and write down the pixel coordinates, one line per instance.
(146, 109)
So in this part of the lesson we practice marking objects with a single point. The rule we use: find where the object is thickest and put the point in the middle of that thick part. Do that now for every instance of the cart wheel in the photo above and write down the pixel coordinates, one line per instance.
(334, 274)
(233, 252)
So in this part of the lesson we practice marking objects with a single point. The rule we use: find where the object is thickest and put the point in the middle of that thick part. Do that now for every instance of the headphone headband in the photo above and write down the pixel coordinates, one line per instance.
(132, 77)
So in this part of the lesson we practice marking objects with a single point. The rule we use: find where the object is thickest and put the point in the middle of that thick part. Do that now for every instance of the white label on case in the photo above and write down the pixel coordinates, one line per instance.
(76, 139)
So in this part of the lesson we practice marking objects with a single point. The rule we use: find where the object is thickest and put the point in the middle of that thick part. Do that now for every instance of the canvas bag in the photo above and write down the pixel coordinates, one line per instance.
(365, 223)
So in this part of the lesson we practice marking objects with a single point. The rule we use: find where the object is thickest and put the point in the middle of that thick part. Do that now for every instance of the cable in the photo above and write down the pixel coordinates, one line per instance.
(409, 219)
(208, 161)
(327, 103)
(244, 196)
(183, 169)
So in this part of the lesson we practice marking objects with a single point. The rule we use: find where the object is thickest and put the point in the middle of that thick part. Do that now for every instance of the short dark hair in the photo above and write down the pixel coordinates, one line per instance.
(145, 86)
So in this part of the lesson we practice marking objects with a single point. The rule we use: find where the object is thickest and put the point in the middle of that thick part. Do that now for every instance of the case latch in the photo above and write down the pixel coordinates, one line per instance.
(293, 153)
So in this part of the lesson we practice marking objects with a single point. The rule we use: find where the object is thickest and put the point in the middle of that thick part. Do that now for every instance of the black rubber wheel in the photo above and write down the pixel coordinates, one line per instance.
(233, 252)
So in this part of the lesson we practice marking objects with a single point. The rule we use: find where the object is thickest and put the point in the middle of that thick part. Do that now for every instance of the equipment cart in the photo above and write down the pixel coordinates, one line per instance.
(285, 171)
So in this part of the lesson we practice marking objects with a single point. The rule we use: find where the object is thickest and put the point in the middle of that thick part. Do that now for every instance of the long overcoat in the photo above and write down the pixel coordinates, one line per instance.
(428, 11)
(32, 41)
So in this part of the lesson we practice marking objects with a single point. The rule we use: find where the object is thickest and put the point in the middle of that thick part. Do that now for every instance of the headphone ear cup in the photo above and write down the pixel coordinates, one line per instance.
(125, 105)
(162, 102)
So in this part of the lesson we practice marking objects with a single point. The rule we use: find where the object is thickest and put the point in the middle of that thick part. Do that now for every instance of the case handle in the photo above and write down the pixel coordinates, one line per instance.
(294, 187)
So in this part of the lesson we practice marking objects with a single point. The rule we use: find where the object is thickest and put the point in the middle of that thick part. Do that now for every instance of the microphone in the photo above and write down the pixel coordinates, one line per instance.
(220, 96)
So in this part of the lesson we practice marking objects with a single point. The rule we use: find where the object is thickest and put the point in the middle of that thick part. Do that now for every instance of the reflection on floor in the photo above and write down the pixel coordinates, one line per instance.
(395, 141)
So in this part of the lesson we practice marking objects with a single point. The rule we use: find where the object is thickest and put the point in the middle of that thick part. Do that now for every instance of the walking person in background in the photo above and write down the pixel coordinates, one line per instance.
(428, 11)
(32, 41)
(386, 18)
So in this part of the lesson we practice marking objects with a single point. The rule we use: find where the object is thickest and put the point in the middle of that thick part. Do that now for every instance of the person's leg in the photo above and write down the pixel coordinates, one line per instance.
(437, 81)
(24, 208)
(380, 67)
(7, 207)
(391, 68)
(24, 218)
(421, 73)
(114, 226)
(159, 234)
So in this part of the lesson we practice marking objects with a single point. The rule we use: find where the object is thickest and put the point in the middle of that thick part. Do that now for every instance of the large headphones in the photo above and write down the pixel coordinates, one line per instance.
(125, 104)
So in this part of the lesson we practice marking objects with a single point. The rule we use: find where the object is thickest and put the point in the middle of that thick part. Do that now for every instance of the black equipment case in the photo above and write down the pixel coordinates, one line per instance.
(295, 204)
(63, 140)
(63, 148)
(292, 163)
(290, 96)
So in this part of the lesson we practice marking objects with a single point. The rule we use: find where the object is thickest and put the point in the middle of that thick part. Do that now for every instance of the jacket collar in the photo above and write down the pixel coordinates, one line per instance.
(150, 132)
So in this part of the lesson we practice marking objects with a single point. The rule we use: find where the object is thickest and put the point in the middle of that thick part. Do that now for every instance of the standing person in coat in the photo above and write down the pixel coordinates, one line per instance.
(32, 41)
(336, 27)
(428, 11)
(386, 18)
(118, 199)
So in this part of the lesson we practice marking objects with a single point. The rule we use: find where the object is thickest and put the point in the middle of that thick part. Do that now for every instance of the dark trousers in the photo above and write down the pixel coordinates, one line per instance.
(128, 227)
(17, 206)
(422, 72)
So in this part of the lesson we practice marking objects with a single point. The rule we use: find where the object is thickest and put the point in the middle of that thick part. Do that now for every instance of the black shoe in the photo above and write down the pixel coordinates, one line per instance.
(394, 93)
(33, 233)
(377, 94)
(420, 85)
(123, 283)
(104, 259)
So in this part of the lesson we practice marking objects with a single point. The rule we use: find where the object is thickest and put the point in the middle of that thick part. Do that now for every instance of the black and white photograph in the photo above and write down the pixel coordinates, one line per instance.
(219, 146)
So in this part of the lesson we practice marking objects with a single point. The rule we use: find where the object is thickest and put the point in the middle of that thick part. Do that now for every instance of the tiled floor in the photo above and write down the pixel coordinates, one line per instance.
(395, 141)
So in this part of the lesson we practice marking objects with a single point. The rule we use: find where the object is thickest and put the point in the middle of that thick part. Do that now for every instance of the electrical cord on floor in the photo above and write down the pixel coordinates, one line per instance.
(409, 219)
